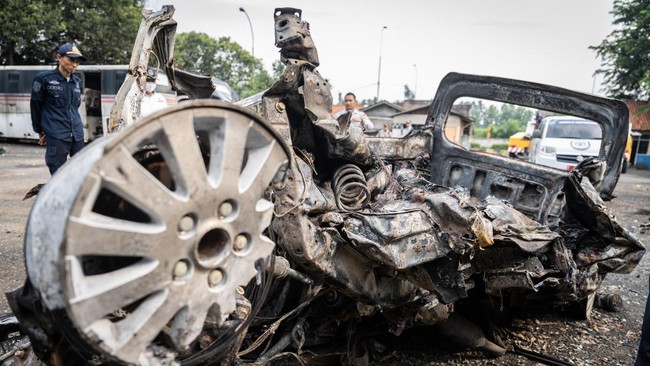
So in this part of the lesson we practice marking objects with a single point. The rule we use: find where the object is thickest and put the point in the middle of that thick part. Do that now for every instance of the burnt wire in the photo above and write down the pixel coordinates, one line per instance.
(350, 339)
(267, 335)
(294, 355)
(219, 348)
(274, 327)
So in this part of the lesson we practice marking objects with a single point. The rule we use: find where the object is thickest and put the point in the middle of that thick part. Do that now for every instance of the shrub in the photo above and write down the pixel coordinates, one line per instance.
(499, 147)
(479, 131)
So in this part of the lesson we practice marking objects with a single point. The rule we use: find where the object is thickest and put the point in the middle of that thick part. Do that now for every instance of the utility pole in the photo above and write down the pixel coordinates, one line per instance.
(381, 39)
(415, 90)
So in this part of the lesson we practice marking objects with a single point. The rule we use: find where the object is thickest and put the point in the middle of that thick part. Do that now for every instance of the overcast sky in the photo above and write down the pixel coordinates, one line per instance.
(541, 41)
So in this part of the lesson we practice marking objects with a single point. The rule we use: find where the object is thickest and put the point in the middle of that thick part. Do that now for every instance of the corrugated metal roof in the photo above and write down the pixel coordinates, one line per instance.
(395, 107)
(639, 115)
(425, 110)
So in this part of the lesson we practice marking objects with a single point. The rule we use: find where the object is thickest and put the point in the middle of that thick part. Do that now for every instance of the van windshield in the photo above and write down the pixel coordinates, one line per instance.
(574, 129)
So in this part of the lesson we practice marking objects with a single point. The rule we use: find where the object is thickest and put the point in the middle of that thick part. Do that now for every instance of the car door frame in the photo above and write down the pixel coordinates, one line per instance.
(533, 189)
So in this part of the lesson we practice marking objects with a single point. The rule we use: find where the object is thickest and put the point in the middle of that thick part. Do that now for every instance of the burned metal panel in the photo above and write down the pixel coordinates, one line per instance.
(126, 109)
(613, 249)
(406, 148)
(319, 248)
(534, 197)
(293, 37)
(535, 190)
(400, 238)
(157, 33)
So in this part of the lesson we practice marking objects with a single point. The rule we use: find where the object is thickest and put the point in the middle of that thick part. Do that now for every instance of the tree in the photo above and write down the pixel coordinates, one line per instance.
(506, 119)
(196, 52)
(104, 30)
(408, 94)
(26, 38)
(491, 115)
(223, 59)
(278, 69)
(507, 128)
(32, 30)
(625, 53)
(476, 111)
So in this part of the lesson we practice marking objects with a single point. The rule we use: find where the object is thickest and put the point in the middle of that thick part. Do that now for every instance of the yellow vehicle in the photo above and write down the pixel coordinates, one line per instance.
(628, 154)
(518, 145)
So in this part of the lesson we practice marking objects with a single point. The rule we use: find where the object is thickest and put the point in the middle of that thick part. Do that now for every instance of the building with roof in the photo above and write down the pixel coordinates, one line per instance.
(457, 128)
(382, 112)
(640, 131)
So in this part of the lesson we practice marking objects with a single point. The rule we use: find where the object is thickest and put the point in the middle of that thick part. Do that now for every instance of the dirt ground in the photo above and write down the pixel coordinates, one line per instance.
(610, 339)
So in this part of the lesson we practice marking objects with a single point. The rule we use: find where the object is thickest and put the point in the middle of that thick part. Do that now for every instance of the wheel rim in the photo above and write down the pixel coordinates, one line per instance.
(168, 248)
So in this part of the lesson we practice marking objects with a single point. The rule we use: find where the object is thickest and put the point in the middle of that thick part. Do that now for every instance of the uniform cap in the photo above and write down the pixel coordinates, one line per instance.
(71, 51)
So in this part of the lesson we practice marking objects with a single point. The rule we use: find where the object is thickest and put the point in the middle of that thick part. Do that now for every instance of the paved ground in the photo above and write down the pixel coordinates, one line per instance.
(22, 166)
(611, 339)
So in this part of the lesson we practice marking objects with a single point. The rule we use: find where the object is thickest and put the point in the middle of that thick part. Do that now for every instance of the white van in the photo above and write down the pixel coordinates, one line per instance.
(564, 141)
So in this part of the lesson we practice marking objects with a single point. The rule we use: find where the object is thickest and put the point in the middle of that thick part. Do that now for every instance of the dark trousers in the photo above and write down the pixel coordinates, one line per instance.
(643, 357)
(57, 151)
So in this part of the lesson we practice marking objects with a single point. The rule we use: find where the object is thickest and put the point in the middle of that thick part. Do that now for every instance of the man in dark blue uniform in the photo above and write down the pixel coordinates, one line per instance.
(56, 96)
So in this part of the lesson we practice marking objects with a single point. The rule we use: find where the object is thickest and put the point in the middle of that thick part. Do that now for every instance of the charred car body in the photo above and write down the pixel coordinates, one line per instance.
(212, 232)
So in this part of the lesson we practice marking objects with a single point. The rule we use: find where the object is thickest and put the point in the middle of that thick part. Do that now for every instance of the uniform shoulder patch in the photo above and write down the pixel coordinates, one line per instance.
(36, 87)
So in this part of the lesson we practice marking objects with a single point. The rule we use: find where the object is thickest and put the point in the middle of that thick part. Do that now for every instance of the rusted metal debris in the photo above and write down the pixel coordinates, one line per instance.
(366, 235)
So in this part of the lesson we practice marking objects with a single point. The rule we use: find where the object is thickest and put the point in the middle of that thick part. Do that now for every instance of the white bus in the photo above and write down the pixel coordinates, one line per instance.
(101, 83)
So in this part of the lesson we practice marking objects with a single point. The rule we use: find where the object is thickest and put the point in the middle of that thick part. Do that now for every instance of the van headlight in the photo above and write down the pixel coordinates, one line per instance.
(547, 150)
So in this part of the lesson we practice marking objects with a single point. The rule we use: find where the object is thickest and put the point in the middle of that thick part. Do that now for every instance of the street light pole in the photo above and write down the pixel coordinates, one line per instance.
(415, 90)
(381, 39)
(250, 24)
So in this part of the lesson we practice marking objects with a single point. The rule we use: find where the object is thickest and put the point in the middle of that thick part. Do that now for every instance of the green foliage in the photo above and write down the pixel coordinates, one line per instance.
(278, 69)
(195, 52)
(479, 131)
(24, 37)
(625, 53)
(408, 93)
(32, 30)
(506, 119)
(507, 128)
(475, 146)
(499, 147)
(510, 112)
(223, 59)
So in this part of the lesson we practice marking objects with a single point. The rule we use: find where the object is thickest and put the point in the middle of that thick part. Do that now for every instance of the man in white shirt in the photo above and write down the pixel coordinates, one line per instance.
(358, 118)
(407, 128)
(386, 132)
(151, 101)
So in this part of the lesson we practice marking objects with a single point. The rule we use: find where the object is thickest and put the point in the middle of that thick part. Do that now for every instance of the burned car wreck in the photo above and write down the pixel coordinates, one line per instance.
(213, 233)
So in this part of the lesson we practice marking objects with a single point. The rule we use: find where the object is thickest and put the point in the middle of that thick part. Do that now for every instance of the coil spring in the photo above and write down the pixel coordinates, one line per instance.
(350, 188)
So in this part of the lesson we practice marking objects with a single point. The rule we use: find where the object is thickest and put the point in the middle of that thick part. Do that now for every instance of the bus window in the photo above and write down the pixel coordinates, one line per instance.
(13, 82)
(112, 81)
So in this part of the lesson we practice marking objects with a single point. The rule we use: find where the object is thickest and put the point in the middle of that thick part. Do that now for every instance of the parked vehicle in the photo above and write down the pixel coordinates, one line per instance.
(562, 142)
(209, 233)
(223, 91)
(101, 84)
(518, 145)
(519, 142)
(628, 152)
